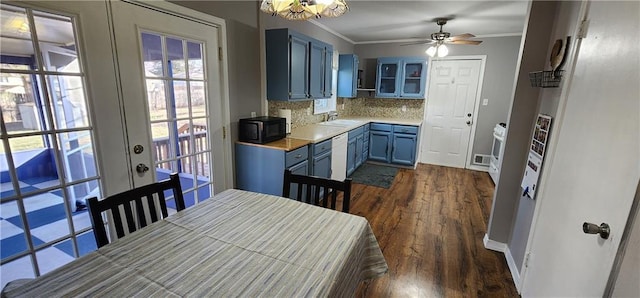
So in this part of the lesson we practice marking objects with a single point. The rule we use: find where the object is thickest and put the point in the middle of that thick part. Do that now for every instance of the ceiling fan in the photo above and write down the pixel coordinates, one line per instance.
(440, 38)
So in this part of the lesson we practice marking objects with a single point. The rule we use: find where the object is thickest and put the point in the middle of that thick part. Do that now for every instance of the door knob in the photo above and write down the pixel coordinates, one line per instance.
(469, 122)
(141, 168)
(602, 229)
(137, 149)
(469, 115)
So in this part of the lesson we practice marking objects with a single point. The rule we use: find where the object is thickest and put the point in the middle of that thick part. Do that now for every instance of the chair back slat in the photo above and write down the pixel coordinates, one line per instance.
(142, 218)
(163, 204)
(153, 212)
(117, 221)
(143, 199)
(318, 190)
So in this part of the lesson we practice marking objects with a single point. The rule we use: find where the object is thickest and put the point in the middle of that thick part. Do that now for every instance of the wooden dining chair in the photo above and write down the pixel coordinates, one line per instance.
(134, 203)
(317, 191)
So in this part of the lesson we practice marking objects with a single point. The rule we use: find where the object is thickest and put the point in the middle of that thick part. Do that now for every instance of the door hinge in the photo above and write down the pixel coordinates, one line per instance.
(224, 132)
(584, 27)
(526, 260)
(220, 53)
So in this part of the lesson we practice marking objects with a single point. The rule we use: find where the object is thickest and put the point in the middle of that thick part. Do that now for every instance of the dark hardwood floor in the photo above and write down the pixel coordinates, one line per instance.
(430, 226)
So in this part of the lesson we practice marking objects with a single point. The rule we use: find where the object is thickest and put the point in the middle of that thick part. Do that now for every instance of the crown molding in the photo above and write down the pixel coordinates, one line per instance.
(331, 31)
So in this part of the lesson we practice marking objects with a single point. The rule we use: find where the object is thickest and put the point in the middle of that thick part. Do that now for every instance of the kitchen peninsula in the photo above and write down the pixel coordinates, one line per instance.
(311, 150)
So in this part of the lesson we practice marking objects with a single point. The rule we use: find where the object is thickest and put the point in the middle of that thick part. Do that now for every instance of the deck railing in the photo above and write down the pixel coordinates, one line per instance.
(163, 148)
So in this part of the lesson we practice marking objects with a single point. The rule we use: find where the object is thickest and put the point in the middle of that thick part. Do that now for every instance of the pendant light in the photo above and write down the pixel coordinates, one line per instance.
(304, 9)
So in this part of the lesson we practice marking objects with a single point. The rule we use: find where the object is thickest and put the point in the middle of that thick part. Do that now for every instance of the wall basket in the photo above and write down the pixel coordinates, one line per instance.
(546, 79)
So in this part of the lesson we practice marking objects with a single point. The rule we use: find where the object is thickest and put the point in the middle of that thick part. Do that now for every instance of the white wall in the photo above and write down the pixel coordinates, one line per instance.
(522, 114)
(564, 24)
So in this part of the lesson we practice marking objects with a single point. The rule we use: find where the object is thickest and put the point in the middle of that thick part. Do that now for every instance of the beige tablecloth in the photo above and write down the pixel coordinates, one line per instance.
(237, 243)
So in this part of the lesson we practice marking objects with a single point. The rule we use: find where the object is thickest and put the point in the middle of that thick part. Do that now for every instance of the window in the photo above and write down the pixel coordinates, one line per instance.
(326, 105)
(47, 155)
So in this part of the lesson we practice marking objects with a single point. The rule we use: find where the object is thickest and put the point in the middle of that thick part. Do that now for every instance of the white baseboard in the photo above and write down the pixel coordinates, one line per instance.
(478, 168)
(515, 274)
(494, 245)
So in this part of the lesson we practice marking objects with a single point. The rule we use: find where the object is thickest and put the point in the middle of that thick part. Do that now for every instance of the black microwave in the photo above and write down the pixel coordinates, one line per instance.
(262, 129)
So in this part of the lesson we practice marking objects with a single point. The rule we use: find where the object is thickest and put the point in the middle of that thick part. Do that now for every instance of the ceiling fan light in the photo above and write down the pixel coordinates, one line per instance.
(431, 51)
(443, 51)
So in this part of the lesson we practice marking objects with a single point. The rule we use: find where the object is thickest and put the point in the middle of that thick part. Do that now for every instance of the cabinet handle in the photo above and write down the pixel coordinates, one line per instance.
(298, 156)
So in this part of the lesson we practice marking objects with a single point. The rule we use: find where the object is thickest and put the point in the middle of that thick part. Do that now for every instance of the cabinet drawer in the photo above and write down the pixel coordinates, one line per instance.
(355, 132)
(405, 129)
(366, 137)
(366, 127)
(296, 156)
(322, 147)
(381, 127)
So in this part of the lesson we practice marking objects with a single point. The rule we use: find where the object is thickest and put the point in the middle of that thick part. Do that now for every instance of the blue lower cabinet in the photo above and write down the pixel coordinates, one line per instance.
(261, 169)
(379, 145)
(322, 165)
(351, 156)
(395, 144)
(404, 149)
(359, 150)
(355, 148)
(298, 169)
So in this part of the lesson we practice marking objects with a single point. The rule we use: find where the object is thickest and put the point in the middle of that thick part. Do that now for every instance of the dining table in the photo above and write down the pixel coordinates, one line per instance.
(234, 244)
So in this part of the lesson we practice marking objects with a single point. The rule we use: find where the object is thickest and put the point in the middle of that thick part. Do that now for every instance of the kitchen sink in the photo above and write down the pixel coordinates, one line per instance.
(342, 122)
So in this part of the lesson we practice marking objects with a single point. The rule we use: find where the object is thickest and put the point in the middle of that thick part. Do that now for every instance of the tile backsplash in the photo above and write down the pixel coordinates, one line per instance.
(302, 112)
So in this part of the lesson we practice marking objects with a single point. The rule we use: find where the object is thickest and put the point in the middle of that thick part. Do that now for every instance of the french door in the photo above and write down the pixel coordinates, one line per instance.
(171, 89)
(89, 91)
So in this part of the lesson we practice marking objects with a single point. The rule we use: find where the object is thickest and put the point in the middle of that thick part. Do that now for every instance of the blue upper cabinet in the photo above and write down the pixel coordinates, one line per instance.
(401, 77)
(297, 66)
(320, 72)
(298, 78)
(328, 71)
(387, 77)
(348, 75)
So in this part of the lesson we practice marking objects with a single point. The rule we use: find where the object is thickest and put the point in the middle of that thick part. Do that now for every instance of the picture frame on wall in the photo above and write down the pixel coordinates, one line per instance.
(535, 158)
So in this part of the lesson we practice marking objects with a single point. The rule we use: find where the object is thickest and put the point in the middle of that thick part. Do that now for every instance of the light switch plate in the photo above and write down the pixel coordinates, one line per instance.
(485, 101)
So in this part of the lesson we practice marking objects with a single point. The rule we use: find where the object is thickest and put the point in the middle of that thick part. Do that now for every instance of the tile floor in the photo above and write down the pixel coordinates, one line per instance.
(47, 219)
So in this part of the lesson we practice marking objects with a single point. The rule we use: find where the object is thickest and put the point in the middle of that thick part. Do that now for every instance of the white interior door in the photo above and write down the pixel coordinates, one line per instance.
(593, 173)
(453, 88)
(171, 88)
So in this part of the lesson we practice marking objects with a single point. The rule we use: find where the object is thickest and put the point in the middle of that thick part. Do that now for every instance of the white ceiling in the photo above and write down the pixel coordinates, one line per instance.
(387, 21)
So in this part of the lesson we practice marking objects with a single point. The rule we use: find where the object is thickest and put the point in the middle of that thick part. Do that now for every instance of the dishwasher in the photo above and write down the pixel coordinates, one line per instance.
(339, 157)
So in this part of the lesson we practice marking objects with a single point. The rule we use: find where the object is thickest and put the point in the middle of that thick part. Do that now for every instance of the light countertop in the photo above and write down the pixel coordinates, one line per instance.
(318, 132)
(286, 144)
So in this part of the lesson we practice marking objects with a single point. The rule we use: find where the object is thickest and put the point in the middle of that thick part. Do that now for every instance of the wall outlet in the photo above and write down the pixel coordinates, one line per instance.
(404, 108)
(253, 114)
(342, 106)
(485, 101)
(308, 111)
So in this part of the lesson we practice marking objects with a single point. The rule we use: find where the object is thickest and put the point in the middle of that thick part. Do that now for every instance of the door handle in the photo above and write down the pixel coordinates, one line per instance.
(469, 122)
(141, 168)
(603, 229)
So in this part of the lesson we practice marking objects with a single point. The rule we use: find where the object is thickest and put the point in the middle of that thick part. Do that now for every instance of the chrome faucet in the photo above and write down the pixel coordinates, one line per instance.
(333, 115)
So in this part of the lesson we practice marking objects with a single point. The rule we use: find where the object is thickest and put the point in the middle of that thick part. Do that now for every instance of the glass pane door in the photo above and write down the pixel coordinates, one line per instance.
(412, 78)
(47, 155)
(176, 100)
(388, 76)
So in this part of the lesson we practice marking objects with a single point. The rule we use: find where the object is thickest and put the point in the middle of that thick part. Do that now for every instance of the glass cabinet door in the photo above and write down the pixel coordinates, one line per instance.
(413, 83)
(387, 79)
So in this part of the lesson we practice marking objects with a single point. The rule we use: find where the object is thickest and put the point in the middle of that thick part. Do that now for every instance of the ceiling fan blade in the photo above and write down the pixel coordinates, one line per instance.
(470, 42)
(462, 36)
(418, 42)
